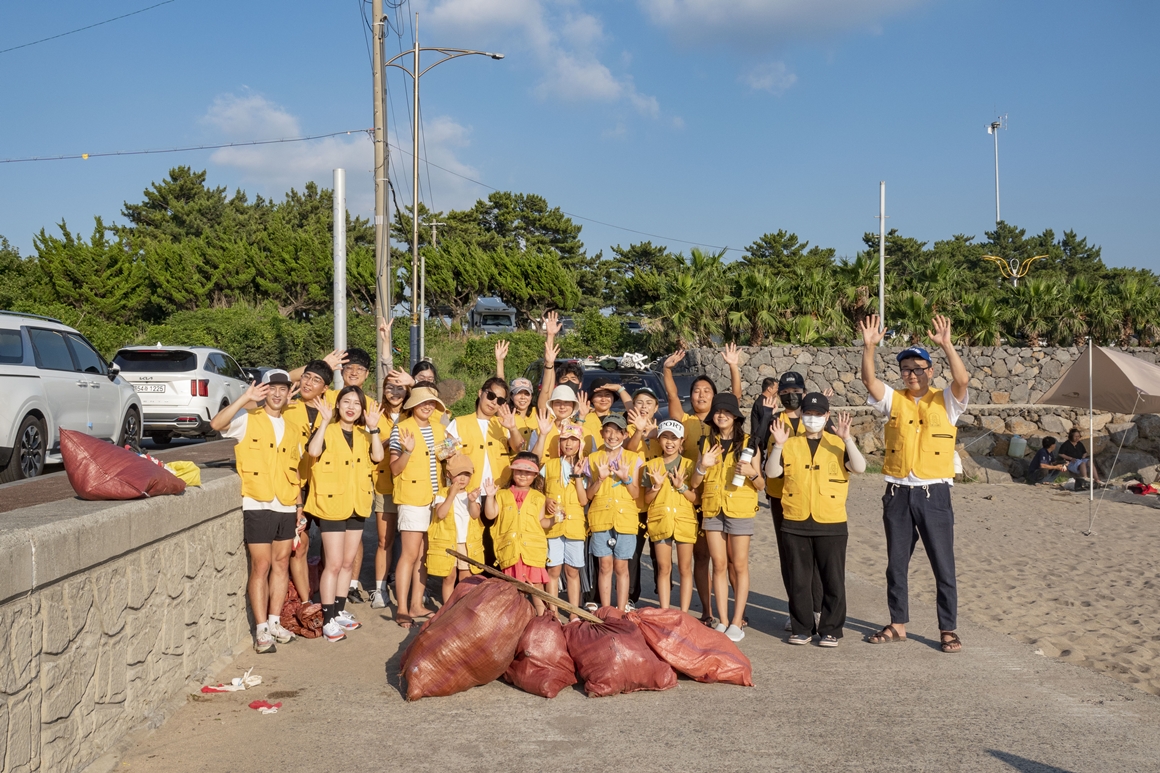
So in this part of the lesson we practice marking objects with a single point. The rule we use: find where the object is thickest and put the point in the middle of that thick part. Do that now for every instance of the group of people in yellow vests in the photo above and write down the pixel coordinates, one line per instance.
(562, 490)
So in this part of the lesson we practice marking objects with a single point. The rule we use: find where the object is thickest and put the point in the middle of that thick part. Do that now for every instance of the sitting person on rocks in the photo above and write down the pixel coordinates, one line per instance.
(1043, 463)
(1074, 454)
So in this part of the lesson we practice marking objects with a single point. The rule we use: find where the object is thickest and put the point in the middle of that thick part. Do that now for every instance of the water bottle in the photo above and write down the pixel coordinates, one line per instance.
(746, 457)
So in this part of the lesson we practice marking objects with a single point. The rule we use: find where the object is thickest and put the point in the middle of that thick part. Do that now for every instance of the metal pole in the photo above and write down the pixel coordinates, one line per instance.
(1091, 438)
(423, 295)
(882, 257)
(339, 265)
(383, 282)
(415, 341)
(996, 133)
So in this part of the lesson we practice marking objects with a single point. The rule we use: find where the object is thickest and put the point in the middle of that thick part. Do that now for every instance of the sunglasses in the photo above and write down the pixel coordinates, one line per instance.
(490, 395)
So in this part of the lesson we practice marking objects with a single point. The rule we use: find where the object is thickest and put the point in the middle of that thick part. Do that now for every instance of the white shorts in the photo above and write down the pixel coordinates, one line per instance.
(562, 550)
(414, 517)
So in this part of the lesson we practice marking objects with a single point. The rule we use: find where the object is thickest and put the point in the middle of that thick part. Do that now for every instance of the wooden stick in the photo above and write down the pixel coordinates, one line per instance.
(531, 589)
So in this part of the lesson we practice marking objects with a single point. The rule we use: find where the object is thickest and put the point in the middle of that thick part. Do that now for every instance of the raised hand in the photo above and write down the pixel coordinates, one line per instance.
(385, 328)
(295, 388)
(674, 358)
(942, 331)
(780, 433)
(256, 393)
(602, 469)
(489, 487)
(657, 475)
(336, 359)
(507, 419)
(372, 415)
(545, 420)
(623, 471)
(711, 456)
(551, 353)
(770, 402)
(400, 378)
(552, 324)
(637, 419)
(828, 392)
(842, 422)
(501, 351)
(677, 477)
(730, 355)
(406, 440)
(585, 404)
(324, 410)
(871, 332)
(473, 495)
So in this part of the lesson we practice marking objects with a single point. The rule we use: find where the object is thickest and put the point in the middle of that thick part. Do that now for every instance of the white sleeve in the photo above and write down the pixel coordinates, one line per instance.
(884, 405)
(453, 429)
(955, 407)
(237, 428)
(440, 499)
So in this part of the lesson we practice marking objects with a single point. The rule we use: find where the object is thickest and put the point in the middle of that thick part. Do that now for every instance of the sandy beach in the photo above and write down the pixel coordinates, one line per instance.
(1025, 569)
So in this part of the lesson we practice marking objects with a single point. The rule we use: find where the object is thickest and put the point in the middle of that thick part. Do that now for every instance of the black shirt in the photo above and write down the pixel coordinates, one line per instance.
(1077, 451)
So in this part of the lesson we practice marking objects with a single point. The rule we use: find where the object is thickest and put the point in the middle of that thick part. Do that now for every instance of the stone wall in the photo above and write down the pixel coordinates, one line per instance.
(106, 611)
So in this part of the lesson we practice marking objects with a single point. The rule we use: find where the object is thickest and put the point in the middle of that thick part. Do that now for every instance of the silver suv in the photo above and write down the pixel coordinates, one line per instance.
(181, 387)
(51, 378)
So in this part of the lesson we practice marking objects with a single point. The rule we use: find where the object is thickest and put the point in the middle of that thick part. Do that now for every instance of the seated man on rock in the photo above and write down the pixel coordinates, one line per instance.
(1044, 463)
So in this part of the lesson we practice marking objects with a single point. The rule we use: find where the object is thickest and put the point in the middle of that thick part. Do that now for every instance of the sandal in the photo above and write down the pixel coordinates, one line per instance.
(709, 621)
(404, 621)
(950, 642)
(888, 635)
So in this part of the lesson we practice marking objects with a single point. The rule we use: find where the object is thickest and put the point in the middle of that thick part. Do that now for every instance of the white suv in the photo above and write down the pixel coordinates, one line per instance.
(52, 378)
(181, 387)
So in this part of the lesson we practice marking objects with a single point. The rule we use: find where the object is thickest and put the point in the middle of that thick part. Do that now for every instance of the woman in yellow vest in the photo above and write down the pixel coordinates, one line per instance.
(521, 524)
(729, 475)
(341, 494)
(672, 521)
(455, 524)
(417, 444)
(814, 467)
(525, 415)
(386, 512)
(566, 499)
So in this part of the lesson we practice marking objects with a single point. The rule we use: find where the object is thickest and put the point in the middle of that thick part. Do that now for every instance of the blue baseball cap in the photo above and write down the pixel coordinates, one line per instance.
(914, 351)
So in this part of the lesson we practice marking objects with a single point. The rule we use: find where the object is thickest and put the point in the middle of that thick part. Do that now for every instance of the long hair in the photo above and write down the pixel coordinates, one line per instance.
(362, 401)
(494, 381)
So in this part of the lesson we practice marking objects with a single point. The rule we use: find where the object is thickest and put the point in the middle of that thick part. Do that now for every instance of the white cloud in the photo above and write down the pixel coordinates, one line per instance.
(773, 77)
(273, 169)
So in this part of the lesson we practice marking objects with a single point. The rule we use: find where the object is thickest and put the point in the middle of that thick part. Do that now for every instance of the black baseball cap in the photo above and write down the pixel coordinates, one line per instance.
(791, 380)
(815, 402)
(356, 356)
(601, 383)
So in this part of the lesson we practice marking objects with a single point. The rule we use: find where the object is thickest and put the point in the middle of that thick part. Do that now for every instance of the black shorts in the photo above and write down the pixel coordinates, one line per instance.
(261, 527)
(353, 523)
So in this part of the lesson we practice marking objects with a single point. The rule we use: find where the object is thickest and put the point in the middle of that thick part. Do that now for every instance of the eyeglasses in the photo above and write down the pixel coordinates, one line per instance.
(913, 371)
(490, 395)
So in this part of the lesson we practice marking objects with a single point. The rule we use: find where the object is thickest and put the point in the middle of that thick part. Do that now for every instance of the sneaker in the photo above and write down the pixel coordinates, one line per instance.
(377, 600)
(346, 621)
(800, 638)
(734, 633)
(720, 628)
(591, 606)
(332, 631)
(355, 595)
(264, 642)
(788, 624)
(630, 607)
(280, 634)
(828, 641)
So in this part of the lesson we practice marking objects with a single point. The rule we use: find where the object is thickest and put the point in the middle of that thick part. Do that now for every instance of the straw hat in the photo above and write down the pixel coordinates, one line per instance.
(420, 395)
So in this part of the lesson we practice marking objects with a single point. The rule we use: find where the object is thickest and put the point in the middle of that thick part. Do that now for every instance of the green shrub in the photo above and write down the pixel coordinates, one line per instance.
(596, 334)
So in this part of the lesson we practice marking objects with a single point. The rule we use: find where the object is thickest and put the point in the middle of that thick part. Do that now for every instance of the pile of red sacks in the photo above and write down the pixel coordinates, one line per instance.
(488, 630)
(300, 619)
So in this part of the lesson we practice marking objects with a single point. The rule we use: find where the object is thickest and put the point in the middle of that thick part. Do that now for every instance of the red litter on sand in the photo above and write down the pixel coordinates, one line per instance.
(266, 707)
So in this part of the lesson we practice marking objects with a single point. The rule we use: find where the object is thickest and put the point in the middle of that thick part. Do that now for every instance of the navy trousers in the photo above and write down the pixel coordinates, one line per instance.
(908, 513)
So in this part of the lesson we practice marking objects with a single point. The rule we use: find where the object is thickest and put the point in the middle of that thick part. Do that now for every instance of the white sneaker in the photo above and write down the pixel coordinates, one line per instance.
(629, 607)
(346, 621)
(734, 633)
(264, 642)
(280, 634)
(377, 601)
(720, 628)
(333, 632)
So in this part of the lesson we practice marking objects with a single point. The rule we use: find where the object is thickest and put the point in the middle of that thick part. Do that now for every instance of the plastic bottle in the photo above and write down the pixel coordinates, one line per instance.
(1017, 447)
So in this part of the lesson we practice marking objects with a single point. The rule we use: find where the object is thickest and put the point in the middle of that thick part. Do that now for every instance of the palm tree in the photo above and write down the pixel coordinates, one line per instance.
(978, 321)
(910, 316)
(1138, 303)
(758, 303)
(1035, 304)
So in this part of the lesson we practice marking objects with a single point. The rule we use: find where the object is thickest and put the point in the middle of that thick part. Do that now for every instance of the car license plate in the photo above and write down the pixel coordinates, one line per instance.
(149, 387)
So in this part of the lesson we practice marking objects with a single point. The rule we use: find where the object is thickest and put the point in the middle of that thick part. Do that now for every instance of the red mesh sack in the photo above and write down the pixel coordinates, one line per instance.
(614, 657)
(473, 643)
(542, 665)
(693, 648)
(461, 589)
(309, 618)
(292, 607)
(100, 470)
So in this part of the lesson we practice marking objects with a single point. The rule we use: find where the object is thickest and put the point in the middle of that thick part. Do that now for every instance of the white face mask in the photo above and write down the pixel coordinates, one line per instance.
(814, 423)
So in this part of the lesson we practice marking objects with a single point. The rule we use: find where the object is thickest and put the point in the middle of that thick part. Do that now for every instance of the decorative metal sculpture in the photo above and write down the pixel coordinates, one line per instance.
(1011, 268)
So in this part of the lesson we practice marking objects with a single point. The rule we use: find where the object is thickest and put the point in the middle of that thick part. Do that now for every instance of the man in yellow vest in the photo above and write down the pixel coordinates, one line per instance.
(268, 452)
(919, 470)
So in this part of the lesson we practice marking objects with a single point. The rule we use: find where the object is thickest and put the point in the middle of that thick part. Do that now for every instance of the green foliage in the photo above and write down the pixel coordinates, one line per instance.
(254, 336)
(596, 334)
(99, 277)
(477, 362)
(781, 252)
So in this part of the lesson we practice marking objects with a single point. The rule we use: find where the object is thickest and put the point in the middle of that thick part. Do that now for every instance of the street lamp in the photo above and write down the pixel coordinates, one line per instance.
(416, 73)
(993, 128)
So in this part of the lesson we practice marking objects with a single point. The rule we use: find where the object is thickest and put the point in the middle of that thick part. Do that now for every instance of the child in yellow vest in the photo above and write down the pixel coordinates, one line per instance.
(455, 524)
(815, 467)
(612, 485)
(729, 475)
(521, 524)
(562, 407)
(566, 498)
(672, 521)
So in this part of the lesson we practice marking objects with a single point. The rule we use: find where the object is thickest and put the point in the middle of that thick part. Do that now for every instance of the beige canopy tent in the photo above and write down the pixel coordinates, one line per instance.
(1107, 380)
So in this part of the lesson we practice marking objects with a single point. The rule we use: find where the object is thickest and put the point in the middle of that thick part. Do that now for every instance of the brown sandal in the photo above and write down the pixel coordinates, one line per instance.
(404, 621)
(888, 635)
(950, 642)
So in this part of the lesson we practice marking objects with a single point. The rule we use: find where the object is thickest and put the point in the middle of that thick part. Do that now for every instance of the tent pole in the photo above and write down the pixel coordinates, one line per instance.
(1091, 439)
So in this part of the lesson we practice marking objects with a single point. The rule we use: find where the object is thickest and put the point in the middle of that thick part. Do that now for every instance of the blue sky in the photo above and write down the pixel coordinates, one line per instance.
(699, 120)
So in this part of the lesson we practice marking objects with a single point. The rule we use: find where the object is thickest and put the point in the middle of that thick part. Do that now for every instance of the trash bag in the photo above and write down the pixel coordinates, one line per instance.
(692, 648)
(472, 644)
(462, 588)
(542, 665)
(98, 470)
(187, 471)
(300, 619)
(614, 658)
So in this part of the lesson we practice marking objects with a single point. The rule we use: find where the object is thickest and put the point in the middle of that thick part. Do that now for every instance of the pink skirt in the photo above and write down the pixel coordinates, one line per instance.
(524, 573)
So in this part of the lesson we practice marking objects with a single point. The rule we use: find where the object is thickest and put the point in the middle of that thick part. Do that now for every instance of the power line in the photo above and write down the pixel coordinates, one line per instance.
(89, 27)
(86, 156)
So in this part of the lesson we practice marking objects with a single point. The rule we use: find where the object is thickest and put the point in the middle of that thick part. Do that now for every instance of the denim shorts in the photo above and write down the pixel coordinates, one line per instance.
(623, 550)
(562, 550)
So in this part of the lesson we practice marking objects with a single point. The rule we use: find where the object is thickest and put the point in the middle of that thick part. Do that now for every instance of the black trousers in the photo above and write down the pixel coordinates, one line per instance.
(809, 558)
(634, 562)
(783, 555)
(910, 512)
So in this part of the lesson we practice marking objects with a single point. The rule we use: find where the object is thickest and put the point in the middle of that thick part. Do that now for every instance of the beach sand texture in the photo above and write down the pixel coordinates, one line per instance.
(1025, 569)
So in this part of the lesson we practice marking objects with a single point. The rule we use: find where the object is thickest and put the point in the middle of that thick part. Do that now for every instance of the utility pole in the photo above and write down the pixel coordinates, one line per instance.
(423, 291)
(416, 342)
(882, 258)
(383, 276)
(339, 230)
(993, 128)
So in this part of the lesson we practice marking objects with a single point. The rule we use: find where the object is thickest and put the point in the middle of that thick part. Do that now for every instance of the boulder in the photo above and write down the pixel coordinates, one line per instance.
(451, 391)
(1149, 425)
(984, 469)
(1020, 393)
(1018, 426)
(1125, 433)
(1129, 462)
(1056, 425)
(993, 423)
(1000, 398)
(979, 445)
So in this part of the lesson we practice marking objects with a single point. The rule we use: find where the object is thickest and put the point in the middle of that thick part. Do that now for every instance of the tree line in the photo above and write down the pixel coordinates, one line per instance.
(188, 251)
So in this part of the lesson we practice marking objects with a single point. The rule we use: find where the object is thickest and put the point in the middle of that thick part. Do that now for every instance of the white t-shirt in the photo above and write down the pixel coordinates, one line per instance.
(237, 431)
(462, 516)
(484, 424)
(955, 409)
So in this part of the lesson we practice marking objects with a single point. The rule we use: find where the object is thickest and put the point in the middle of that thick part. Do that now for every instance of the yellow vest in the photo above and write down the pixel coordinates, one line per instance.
(773, 486)
(517, 531)
(695, 429)
(268, 469)
(592, 440)
(612, 507)
(441, 535)
(919, 437)
(413, 484)
(672, 514)
(526, 426)
(332, 394)
(340, 479)
(718, 494)
(475, 446)
(384, 481)
(565, 495)
(649, 450)
(815, 486)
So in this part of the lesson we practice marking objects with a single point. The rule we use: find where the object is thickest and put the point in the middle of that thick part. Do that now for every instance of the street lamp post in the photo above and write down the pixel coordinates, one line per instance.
(993, 129)
(423, 290)
(415, 72)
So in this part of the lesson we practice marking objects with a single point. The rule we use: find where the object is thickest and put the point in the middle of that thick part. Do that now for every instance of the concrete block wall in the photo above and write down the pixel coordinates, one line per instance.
(107, 610)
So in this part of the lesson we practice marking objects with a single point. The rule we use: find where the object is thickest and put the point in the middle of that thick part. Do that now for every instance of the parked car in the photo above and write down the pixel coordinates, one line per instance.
(491, 315)
(52, 378)
(181, 387)
(256, 374)
(631, 378)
